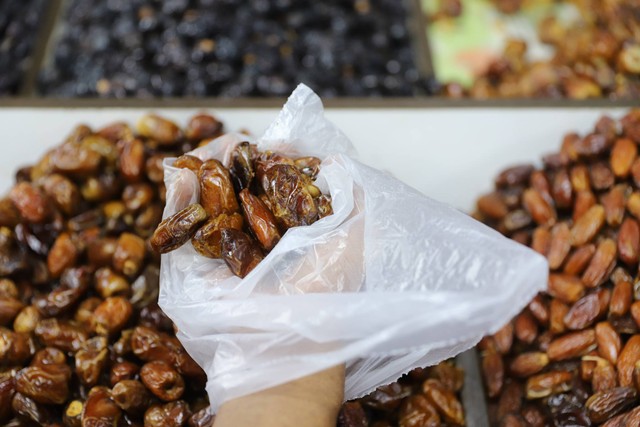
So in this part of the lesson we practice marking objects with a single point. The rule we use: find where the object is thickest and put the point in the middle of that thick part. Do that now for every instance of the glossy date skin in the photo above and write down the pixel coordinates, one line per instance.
(275, 193)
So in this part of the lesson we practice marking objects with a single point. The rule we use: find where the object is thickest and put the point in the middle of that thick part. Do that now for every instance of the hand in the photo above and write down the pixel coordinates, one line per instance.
(312, 401)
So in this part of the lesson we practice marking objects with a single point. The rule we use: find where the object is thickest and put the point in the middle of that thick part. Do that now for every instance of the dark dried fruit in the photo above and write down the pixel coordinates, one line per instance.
(158, 129)
(131, 396)
(552, 382)
(216, 190)
(239, 251)
(47, 384)
(207, 241)
(606, 404)
(31, 202)
(177, 229)
(416, 411)
(291, 201)
(260, 219)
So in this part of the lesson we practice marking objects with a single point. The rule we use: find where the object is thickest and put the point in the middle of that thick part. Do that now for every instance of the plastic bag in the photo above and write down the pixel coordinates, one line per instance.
(391, 281)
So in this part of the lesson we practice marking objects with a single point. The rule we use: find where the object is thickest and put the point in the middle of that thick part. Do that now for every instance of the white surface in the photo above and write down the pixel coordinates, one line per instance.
(450, 155)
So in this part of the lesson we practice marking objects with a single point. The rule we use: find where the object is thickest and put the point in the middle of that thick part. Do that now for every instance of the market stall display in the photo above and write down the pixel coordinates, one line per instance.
(231, 48)
(19, 21)
(541, 49)
(572, 357)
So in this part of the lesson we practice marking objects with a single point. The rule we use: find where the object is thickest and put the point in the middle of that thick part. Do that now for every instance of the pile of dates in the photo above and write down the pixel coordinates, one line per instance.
(596, 56)
(572, 357)
(426, 397)
(273, 191)
(232, 48)
(82, 339)
(18, 29)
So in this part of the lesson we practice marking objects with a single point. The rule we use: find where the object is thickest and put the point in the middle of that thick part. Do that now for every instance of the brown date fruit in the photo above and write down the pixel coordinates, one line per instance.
(62, 191)
(111, 315)
(28, 409)
(492, 205)
(216, 190)
(627, 359)
(74, 283)
(61, 334)
(148, 344)
(46, 384)
(387, 398)
(8, 288)
(450, 376)
(324, 206)
(309, 166)
(202, 418)
(132, 159)
(516, 175)
(75, 159)
(63, 254)
(445, 402)
(605, 404)
(352, 415)
(49, 356)
(31, 202)
(159, 129)
(572, 345)
(90, 360)
(203, 126)
(588, 225)
(9, 214)
(100, 251)
(177, 229)
(493, 372)
(129, 254)
(154, 169)
(15, 348)
(546, 384)
(187, 161)
(137, 196)
(242, 166)
(292, 203)
(131, 396)
(587, 310)
(207, 241)
(9, 309)
(100, 409)
(122, 371)
(7, 390)
(260, 219)
(239, 251)
(609, 343)
(26, 320)
(162, 380)
(526, 364)
(417, 411)
(629, 241)
(172, 414)
(108, 283)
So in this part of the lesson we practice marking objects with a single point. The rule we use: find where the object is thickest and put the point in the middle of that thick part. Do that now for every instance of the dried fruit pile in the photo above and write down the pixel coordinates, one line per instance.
(597, 56)
(422, 398)
(18, 24)
(572, 357)
(82, 339)
(275, 193)
(232, 48)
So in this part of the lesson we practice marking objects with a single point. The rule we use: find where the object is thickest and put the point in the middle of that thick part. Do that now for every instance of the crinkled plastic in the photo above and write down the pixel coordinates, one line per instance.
(391, 281)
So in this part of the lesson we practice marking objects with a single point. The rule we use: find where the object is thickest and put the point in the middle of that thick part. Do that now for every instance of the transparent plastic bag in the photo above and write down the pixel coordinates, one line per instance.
(391, 281)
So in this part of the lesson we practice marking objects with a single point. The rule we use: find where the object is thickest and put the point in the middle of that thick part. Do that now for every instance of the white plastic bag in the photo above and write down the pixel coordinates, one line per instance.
(391, 281)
